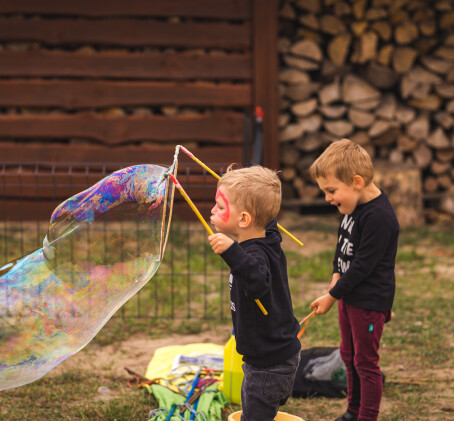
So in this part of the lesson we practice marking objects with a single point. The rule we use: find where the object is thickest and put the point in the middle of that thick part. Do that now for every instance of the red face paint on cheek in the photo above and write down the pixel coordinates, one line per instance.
(224, 215)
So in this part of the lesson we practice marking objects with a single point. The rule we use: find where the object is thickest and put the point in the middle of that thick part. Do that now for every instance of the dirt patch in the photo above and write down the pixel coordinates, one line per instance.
(135, 353)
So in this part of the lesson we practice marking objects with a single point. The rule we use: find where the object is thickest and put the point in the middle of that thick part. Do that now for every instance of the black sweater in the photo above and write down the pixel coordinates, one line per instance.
(365, 256)
(259, 271)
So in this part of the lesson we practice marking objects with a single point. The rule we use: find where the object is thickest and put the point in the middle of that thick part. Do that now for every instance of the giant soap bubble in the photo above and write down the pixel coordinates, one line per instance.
(102, 246)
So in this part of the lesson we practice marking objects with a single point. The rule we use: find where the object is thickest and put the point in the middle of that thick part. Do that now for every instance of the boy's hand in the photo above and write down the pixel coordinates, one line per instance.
(323, 304)
(220, 242)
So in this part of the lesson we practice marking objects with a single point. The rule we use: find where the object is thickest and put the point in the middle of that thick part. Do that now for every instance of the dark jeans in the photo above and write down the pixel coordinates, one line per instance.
(264, 389)
(361, 332)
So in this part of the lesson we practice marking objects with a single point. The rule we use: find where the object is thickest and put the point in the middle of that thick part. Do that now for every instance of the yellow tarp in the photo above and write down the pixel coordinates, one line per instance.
(163, 359)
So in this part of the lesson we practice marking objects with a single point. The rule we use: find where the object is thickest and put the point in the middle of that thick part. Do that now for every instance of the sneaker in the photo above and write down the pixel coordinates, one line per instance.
(348, 416)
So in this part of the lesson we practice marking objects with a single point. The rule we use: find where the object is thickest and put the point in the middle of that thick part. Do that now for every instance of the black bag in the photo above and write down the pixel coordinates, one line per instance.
(321, 373)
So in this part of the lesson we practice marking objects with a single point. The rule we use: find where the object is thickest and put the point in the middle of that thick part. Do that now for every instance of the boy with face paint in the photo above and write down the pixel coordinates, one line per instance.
(248, 239)
(363, 280)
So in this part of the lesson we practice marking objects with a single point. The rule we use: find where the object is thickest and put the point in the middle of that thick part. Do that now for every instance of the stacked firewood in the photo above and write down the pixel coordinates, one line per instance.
(379, 72)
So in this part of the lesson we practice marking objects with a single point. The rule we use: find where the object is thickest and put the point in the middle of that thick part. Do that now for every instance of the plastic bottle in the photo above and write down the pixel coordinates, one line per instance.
(233, 373)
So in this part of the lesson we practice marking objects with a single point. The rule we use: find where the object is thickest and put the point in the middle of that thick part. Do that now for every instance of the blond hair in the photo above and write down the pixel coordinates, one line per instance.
(256, 190)
(343, 159)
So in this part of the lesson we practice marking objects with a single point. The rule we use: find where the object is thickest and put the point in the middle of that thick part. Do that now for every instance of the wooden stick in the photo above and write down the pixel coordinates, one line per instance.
(199, 162)
(190, 203)
(307, 317)
(218, 177)
(305, 322)
(207, 227)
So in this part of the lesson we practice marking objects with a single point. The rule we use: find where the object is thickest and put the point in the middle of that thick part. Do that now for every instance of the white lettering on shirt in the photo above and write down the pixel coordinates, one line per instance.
(347, 247)
(347, 223)
(232, 304)
(343, 266)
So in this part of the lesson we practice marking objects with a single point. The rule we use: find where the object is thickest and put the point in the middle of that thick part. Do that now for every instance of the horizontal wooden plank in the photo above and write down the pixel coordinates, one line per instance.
(60, 186)
(41, 210)
(44, 187)
(78, 177)
(72, 95)
(225, 9)
(56, 156)
(27, 210)
(126, 33)
(170, 66)
(85, 174)
(217, 127)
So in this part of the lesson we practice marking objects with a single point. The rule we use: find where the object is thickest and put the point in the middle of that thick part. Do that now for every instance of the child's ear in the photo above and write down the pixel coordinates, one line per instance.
(245, 219)
(358, 182)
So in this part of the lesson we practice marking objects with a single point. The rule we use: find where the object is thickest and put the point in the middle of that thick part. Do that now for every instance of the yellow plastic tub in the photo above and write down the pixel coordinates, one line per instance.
(281, 416)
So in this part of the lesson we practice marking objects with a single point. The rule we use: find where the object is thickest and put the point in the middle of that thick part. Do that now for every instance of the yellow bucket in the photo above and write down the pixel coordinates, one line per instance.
(281, 416)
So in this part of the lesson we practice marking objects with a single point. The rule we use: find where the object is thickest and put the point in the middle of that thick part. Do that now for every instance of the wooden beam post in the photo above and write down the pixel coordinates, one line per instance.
(265, 74)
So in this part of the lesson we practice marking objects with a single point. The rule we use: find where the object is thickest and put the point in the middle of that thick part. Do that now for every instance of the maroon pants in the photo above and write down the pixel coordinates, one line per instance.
(361, 332)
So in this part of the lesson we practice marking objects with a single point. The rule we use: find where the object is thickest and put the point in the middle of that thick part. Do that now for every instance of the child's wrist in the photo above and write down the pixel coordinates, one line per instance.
(332, 298)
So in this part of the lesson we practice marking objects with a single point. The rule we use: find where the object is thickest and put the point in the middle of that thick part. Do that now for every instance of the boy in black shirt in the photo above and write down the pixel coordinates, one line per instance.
(363, 270)
(247, 202)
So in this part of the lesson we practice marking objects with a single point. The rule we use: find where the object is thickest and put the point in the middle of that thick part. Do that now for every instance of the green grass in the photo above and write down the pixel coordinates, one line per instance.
(74, 396)
(317, 268)
(416, 349)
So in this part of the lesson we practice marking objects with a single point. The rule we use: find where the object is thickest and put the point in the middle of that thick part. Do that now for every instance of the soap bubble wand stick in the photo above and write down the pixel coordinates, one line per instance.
(304, 323)
(207, 227)
(218, 177)
(190, 203)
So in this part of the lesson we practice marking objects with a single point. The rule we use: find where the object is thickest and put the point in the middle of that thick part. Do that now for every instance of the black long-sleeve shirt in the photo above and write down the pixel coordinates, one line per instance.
(259, 271)
(365, 256)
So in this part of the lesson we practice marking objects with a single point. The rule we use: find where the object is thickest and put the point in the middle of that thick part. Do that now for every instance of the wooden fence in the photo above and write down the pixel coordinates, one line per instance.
(117, 83)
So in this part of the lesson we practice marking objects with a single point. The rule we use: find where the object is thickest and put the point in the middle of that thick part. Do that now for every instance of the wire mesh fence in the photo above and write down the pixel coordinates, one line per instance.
(191, 282)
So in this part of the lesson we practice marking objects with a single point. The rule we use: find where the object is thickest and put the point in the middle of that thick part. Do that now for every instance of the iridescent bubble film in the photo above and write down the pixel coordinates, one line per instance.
(102, 246)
